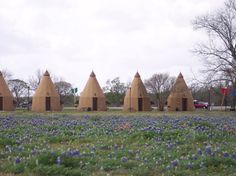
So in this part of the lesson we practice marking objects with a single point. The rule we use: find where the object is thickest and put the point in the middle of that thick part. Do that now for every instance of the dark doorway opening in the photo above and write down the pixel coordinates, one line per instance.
(48, 104)
(140, 104)
(1, 103)
(184, 104)
(95, 103)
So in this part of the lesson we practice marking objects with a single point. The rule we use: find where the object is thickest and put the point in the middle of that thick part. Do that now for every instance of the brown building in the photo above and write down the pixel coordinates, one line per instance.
(46, 97)
(136, 98)
(92, 97)
(180, 98)
(6, 97)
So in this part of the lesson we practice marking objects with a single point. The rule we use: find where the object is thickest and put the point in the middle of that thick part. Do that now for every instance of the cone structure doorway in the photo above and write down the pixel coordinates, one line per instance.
(136, 98)
(6, 97)
(92, 97)
(46, 98)
(180, 98)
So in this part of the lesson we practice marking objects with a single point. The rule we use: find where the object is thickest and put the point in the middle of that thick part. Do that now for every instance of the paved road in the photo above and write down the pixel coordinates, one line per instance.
(213, 108)
(155, 108)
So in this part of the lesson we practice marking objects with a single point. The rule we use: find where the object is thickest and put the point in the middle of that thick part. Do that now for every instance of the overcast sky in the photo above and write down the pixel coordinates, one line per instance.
(114, 38)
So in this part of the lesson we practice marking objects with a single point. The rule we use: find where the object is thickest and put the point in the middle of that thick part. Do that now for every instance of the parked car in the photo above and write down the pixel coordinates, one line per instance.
(200, 104)
(25, 105)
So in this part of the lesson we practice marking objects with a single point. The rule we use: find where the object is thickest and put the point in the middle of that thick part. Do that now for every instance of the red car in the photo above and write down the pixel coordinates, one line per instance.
(200, 104)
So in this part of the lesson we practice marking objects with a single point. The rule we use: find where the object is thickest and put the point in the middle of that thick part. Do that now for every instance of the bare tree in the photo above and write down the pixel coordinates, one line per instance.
(7, 75)
(35, 80)
(115, 91)
(159, 85)
(219, 53)
(19, 88)
(64, 90)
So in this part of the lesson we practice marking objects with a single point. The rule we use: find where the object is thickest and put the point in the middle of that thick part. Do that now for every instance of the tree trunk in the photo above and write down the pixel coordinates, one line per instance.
(233, 103)
(161, 106)
(233, 99)
(156, 100)
(161, 103)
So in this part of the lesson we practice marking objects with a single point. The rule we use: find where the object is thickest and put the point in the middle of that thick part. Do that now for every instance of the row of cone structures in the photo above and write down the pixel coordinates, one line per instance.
(92, 98)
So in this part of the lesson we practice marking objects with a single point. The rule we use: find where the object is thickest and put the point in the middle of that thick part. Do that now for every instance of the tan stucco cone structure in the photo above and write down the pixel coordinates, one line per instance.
(6, 97)
(136, 98)
(46, 97)
(180, 98)
(92, 97)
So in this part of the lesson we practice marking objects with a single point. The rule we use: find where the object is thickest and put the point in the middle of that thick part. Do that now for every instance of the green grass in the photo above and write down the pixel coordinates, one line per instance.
(117, 143)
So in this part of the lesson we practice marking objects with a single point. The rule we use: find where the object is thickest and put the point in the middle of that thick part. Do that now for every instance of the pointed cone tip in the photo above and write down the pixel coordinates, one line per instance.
(46, 73)
(137, 75)
(92, 74)
(180, 75)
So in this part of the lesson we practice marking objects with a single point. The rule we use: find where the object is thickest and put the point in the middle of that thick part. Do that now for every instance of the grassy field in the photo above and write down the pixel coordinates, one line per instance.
(118, 143)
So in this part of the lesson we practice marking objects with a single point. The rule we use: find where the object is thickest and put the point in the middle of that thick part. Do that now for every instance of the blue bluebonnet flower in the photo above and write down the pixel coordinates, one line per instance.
(124, 159)
(226, 154)
(94, 148)
(169, 146)
(208, 150)
(175, 162)
(233, 156)
(17, 160)
(58, 161)
(18, 142)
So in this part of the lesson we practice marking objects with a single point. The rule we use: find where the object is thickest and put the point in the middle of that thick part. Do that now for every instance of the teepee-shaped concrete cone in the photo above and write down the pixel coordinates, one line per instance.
(136, 98)
(180, 98)
(6, 97)
(46, 97)
(92, 97)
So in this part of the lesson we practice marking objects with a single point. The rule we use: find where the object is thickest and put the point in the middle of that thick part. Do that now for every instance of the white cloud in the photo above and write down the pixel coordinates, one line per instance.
(113, 37)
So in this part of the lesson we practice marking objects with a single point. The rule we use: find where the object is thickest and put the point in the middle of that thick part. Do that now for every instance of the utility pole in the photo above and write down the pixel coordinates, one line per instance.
(28, 99)
(209, 98)
(130, 99)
